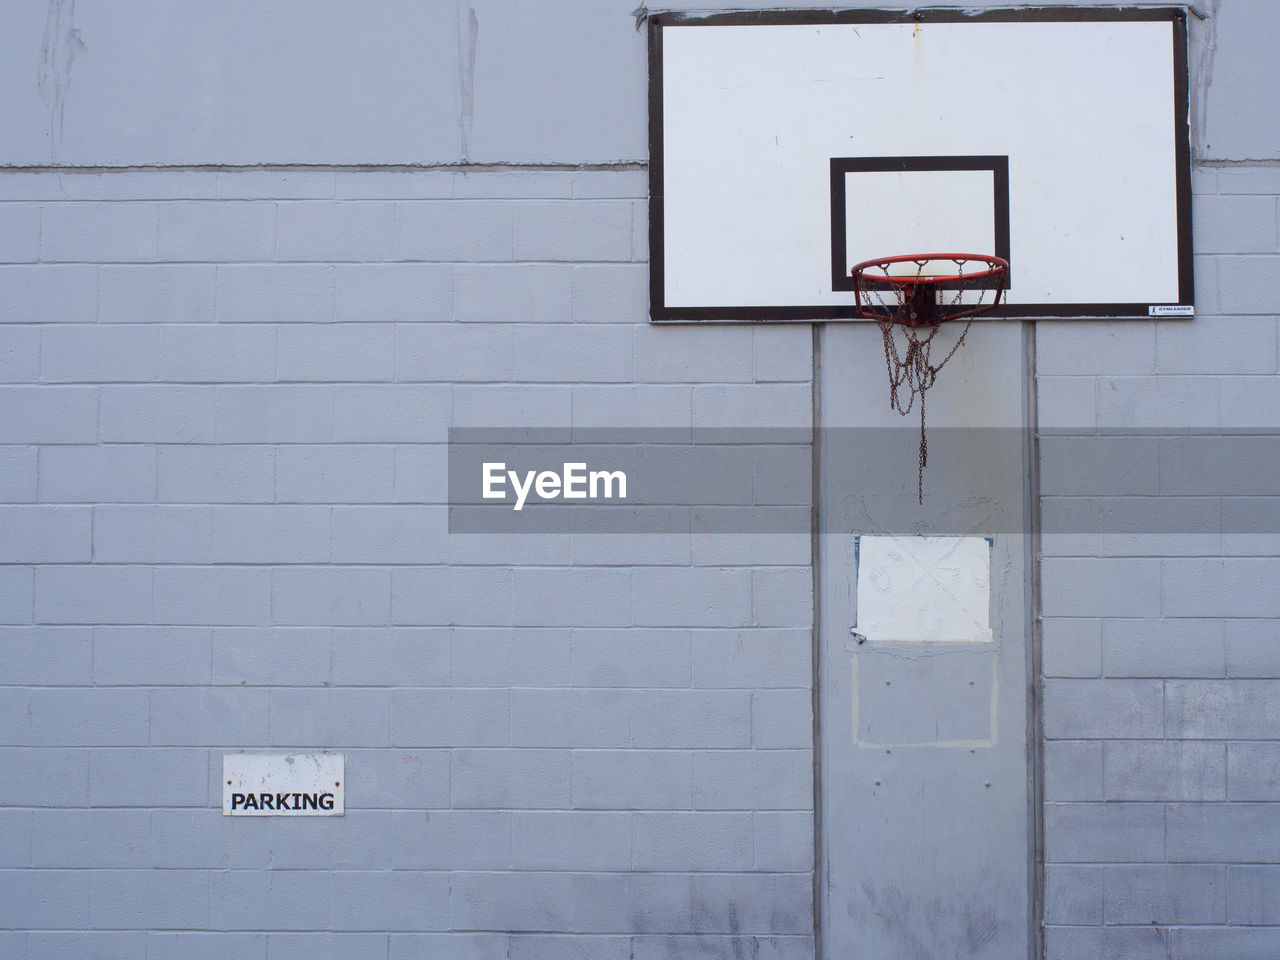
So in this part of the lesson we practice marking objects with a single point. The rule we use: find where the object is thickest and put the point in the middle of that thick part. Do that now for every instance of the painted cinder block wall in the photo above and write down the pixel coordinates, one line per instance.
(1161, 651)
(256, 262)
(304, 242)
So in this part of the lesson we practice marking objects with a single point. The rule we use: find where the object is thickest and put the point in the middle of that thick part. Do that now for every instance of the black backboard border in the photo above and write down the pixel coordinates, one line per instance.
(659, 312)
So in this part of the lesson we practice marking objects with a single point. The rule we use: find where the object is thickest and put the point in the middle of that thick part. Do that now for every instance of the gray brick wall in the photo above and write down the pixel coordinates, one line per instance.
(230, 353)
(1161, 653)
(226, 400)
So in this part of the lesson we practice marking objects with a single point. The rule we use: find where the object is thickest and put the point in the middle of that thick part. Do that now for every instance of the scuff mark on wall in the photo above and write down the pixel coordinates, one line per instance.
(1201, 79)
(61, 43)
(468, 36)
(926, 927)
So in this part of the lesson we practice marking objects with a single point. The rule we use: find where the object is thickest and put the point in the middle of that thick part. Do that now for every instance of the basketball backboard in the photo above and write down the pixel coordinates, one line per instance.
(787, 146)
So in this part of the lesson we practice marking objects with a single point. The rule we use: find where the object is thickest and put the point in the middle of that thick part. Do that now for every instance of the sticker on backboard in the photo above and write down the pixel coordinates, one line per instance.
(1171, 310)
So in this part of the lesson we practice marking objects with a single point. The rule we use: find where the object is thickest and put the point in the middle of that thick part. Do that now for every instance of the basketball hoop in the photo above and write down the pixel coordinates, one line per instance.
(917, 293)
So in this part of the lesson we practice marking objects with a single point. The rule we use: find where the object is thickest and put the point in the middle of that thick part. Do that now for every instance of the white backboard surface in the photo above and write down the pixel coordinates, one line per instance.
(1059, 135)
(897, 209)
(924, 589)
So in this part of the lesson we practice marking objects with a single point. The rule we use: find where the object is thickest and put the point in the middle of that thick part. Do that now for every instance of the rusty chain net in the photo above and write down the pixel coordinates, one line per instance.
(910, 298)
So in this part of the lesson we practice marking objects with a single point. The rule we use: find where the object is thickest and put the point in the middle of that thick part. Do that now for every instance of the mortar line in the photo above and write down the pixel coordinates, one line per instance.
(819, 859)
(456, 166)
(1034, 654)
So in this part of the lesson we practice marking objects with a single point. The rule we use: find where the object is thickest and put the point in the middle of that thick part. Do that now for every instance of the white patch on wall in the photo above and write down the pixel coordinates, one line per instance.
(274, 785)
(924, 589)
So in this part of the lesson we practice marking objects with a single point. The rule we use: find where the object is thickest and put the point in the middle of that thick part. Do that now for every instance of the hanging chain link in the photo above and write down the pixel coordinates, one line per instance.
(918, 311)
(917, 375)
